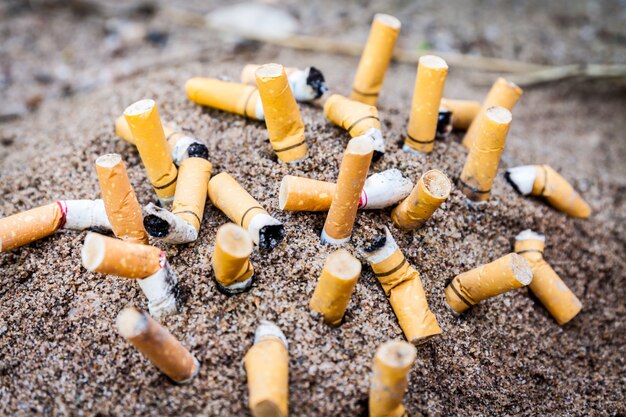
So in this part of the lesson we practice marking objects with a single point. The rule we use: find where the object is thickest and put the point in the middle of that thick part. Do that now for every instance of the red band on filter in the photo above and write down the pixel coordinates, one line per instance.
(162, 260)
(63, 208)
(363, 199)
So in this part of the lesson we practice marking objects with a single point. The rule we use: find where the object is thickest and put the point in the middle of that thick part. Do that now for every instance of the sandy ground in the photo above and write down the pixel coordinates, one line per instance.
(61, 355)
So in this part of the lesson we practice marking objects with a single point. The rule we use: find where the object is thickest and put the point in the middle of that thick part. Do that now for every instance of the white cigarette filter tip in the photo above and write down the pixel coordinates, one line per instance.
(131, 323)
(168, 227)
(530, 235)
(268, 329)
(522, 178)
(384, 189)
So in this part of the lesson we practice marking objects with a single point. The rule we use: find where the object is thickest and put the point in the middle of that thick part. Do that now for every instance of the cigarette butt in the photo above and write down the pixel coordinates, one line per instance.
(158, 345)
(282, 116)
(432, 189)
(237, 98)
(335, 286)
(267, 369)
(119, 198)
(429, 82)
(553, 293)
(503, 93)
(463, 111)
(483, 159)
(504, 274)
(369, 77)
(444, 123)
(145, 125)
(240, 207)
(353, 116)
(307, 84)
(543, 181)
(352, 173)
(403, 285)
(231, 259)
(389, 380)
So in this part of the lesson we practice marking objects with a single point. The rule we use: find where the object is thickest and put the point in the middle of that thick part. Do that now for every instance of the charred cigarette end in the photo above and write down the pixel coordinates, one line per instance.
(376, 243)
(158, 345)
(155, 226)
(271, 235)
(315, 79)
(444, 123)
(198, 150)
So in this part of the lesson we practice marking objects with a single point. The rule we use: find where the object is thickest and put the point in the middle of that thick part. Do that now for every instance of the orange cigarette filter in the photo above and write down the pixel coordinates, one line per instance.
(335, 286)
(145, 125)
(248, 73)
(463, 111)
(304, 194)
(553, 293)
(227, 96)
(503, 93)
(120, 201)
(353, 116)
(375, 59)
(504, 274)
(402, 284)
(429, 82)
(231, 258)
(158, 345)
(389, 380)
(432, 189)
(122, 130)
(483, 159)
(267, 369)
(190, 197)
(282, 116)
(352, 174)
(23, 228)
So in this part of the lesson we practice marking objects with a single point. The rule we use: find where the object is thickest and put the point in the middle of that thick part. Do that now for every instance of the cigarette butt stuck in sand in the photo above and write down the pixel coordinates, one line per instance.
(504, 274)
(231, 259)
(403, 286)
(483, 159)
(432, 189)
(158, 345)
(553, 293)
(145, 125)
(375, 59)
(429, 82)
(389, 379)
(237, 98)
(306, 84)
(282, 116)
(267, 369)
(241, 208)
(463, 112)
(335, 286)
(504, 94)
(543, 181)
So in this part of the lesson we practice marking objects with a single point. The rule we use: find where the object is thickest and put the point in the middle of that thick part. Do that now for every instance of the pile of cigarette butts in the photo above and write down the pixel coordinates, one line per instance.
(177, 165)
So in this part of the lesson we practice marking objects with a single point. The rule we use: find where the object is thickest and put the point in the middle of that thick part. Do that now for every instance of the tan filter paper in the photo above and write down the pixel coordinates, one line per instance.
(282, 116)
(248, 73)
(352, 174)
(402, 284)
(145, 125)
(483, 159)
(227, 96)
(553, 293)
(503, 93)
(353, 116)
(231, 258)
(432, 189)
(23, 228)
(463, 111)
(335, 286)
(504, 274)
(190, 197)
(389, 380)
(267, 369)
(429, 83)
(375, 59)
(158, 345)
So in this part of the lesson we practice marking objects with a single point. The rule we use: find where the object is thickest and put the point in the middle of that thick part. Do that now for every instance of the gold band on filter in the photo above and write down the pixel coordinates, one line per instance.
(335, 286)
(305, 194)
(432, 189)
(282, 116)
(26, 227)
(158, 345)
(559, 193)
(119, 198)
(463, 111)
(230, 259)
(227, 96)
(353, 116)
(503, 93)
(369, 77)
(248, 73)
(111, 256)
(429, 82)
(389, 380)
(553, 293)
(190, 197)
(352, 174)
(504, 274)
(122, 130)
(145, 124)
(483, 159)
(403, 286)
(230, 197)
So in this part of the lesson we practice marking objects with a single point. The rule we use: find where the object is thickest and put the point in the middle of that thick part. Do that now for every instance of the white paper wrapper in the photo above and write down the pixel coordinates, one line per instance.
(522, 178)
(325, 239)
(385, 251)
(85, 214)
(384, 189)
(161, 289)
(530, 235)
(179, 230)
(269, 329)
